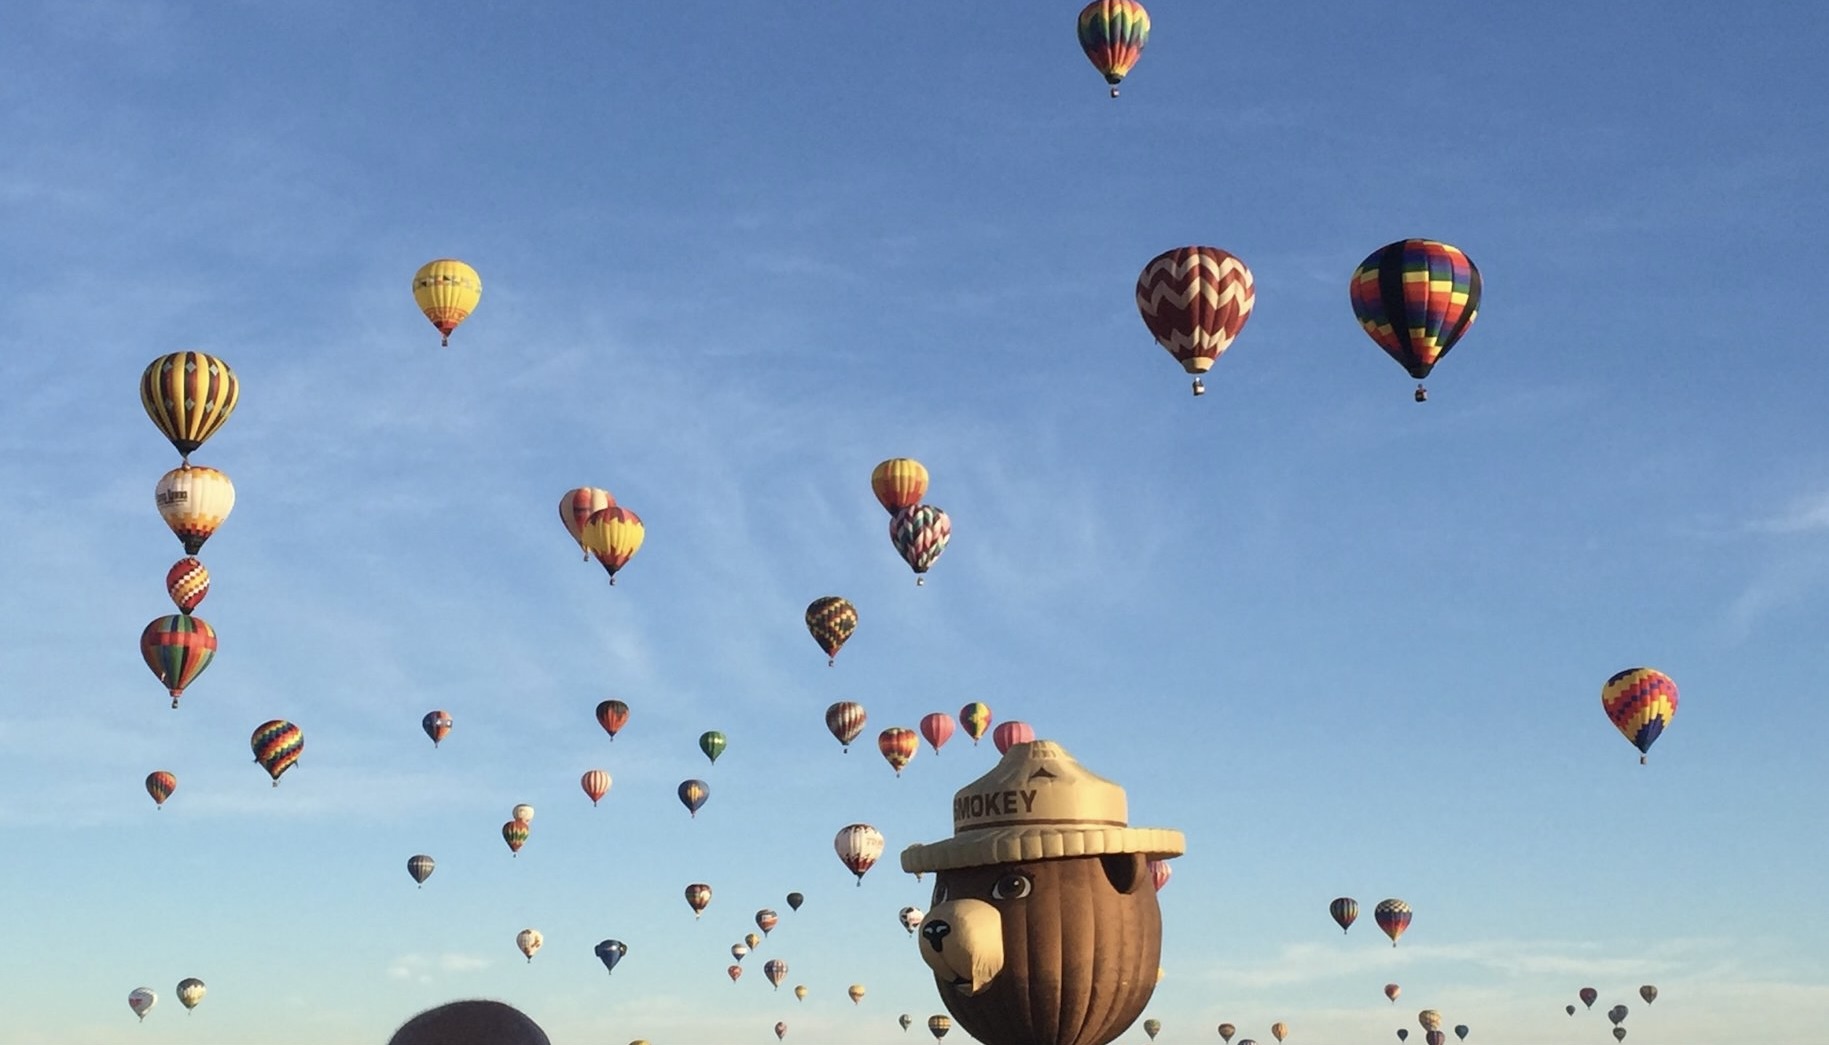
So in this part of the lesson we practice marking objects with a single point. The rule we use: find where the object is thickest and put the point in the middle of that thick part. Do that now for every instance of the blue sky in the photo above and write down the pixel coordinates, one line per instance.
(732, 259)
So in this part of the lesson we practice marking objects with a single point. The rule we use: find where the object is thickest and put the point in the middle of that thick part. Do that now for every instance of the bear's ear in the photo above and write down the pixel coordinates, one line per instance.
(1126, 871)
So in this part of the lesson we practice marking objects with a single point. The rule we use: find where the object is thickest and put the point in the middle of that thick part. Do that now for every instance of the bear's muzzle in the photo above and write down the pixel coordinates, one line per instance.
(962, 941)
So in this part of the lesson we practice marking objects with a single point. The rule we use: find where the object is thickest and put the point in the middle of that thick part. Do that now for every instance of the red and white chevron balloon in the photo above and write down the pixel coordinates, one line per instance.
(1195, 300)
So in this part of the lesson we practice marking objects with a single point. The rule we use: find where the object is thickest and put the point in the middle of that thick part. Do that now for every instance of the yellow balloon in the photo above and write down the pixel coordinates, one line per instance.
(193, 501)
(447, 291)
(614, 535)
(800, 992)
(856, 992)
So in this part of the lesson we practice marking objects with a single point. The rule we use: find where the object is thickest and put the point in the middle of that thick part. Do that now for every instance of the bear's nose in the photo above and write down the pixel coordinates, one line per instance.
(935, 933)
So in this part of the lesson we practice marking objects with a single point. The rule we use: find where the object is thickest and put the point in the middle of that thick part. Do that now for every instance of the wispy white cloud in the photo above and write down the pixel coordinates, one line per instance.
(428, 968)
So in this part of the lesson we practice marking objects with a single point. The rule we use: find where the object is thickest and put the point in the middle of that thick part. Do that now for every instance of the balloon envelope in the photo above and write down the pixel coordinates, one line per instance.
(830, 620)
(693, 794)
(614, 535)
(177, 648)
(1640, 702)
(766, 920)
(160, 784)
(1345, 910)
(191, 991)
(845, 720)
(1011, 733)
(1393, 916)
(858, 847)
(937, 727)
(188, 395)
(187, 582)
(712, 743)
(698, 897)
(1112, 33)
(437, 725)
(776, 971)
(899, 483)
(447, 291)
(529, 941)
(898, 745)
(194, 501)
(609, 952)
(1415, 298)
(975, 718)
(277, 745)
(141, 1000)
(1195, 301)
(920, 534)
(596, 784)
(1649, 993)
(420, 867)
(577, 507)
(794, 900)
(612, 715)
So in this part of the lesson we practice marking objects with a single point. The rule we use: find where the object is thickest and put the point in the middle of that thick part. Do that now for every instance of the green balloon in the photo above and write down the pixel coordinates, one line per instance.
(712, 743)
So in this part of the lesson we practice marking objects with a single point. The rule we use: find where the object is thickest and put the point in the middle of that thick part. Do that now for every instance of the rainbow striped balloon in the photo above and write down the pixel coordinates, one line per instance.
(1641, 702)
(1415, 298)
(177, 647)
(1112, 33)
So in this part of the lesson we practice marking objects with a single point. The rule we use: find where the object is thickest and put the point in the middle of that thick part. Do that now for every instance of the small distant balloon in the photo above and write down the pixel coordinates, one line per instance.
(515, 832)
(1113, 33)
(1403, 1034)
(1570, 1009)
(856, 993)
(609, 952)
(920, 534)
(1279, 1030)
(1152, 1028)
(190, 992)
(905, 1020)
(738, 950)
(911, 918)
(1430, 1019)
(899, 483)
(194, 501)
(858, 847)
(937, 727)
(187, 582)
(975, 718)
(1460, 1031)
(794, 900)
(1345, 910)
(1011, 733)
(1226, 1030)
(529, 941)
(277, 745)
(781, 1029)
(1617, 1014)
(612, 715)
(437, 725)
(1160, 872)
(766, 920)
(938, 1026)
(693, 794)
(1393, 916)
(160, 784)
(1649, 993)
(1619, 1034)
(420, 866)
(1588, 996)
(776, 971)
(188, 395)
(698, 897)
(177, 648)
(141, 1000)
(596, 784)
(898, 745)
(523, 813)
(1391, 991)
(752, 941)
(576, 509)
(447, 291)
(735, 972)
(1641, 703)
(1435, 1037)
(800, 992)
(712, 743)
(845, 720)
(830, 620)
(613, 535)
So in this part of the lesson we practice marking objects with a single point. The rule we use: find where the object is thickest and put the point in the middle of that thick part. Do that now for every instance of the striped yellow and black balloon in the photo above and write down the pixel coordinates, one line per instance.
(277, 745)
(188, 395)
(1640, 702)
(614, 535)
(899, 483)
(447, 291)
(1416, 298)
(830, 620)
(1112, 33)
(177, 648)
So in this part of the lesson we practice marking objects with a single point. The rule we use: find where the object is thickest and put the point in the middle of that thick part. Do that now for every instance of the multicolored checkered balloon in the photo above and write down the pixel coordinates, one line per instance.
(1641, 702)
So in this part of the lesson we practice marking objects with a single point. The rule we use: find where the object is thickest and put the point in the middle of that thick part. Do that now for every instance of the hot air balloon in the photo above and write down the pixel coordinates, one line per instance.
(693, 794)
(437, 725)
(781, 1029)
(1619, 1034)
(698, 897)
(1460, 1031)
(596, 784)
(612, 715)
(1435, 1037)
(1393, 917)
(1641, 702)
(515, 833)
(712, 743)
(613, 535)
(1159, 873)
(277, 744)
(609, 952)
(910, 918)
(1617, 1014)
(1403, 1034)
(576, 509)
(141, 1000)
(1226, 1030)
(1010, 733)
(177, 648)
(776, 971)
(800, 992)
(1112, 33)
(905, 1020)
(937, 728)
(766, 920)
(938, 1026)
(1570, 1009)
(1345, 910)
(191, 991)
(898, 745)
(794, 900)
(1152, 1028)
(976, 718)
(187, 582)
(846, 720)
(1588, 996)
(858, 847)
(856, 992)
(529, 941)
(735, 972)
(899, 483)
(447, 291)
(1649, 993)
(522, 813)
(160, 784)
(830, 620)
(738, 950)
(1430, 1019)
(919, 534)
(1391, 991)
(1279, 1030)
(188, 395)
(1415, 298)
(1195, 300)
(194, 501)
(752, 941)
(420, 867)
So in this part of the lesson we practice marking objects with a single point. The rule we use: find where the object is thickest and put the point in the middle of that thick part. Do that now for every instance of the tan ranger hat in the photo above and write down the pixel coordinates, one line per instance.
(1039, 804)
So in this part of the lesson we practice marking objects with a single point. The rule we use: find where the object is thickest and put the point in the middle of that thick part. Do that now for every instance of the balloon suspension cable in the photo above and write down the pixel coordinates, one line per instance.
(1200, 387)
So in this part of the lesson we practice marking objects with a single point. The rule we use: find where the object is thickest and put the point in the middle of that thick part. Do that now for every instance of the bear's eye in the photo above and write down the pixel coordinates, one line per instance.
(1011, 887)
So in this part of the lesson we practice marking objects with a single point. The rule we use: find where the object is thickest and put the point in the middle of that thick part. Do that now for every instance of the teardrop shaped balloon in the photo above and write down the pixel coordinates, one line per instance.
(437, 725)
(1226, 1030)
(1195, 301)
(277, 745)
(766, 920)
(800, 992)
(712, 743)
(845, 720)
(734, 972)
(160, 784)
(920, 534)
(1430, 1019)
(937, 727)
(190, 992)
(693, 794)
(905, 1020)
(1570, 1009)
(1391, 991)
(910, 918)
(1152, 1028)
(614, 535)
(1649, 993)
(1011, 733)
(1619, 1034)
(420, 866)
(794, 900)
(1345, 911)
(1415, 298)
(194, 501)
(177, 648)
(1461, 1031)
(141, 1000)
(188, 395)
(1159, 873)
(975, 718)
(938, 1025)
(1588, 996)
(447, 291)
(1403, 1034)
(187, 582)
(739, 950)
(899, 483)
(609, 952)
(858, 847)
(1640, 702)
(898, 745)
(830, 620)
(577, 507)
(529, 941)
(596, 784)
(612, 715)
(1617, 1014)
(1435, 1037)
(776, 971)
(856, 993)
(1112, 33)
(781, 1029)
(1279, 1030)
(698, 897)
(1393, 917)
(515, 833)
(752, 941)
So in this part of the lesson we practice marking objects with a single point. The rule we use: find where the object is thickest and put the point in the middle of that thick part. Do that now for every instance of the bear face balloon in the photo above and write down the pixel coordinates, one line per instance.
(1044, 928)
